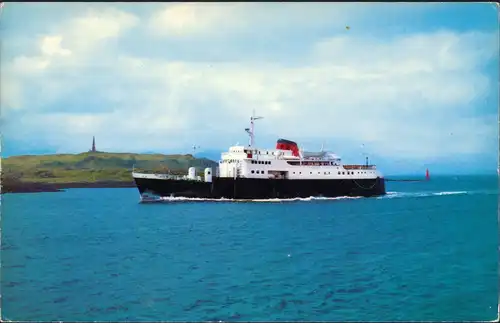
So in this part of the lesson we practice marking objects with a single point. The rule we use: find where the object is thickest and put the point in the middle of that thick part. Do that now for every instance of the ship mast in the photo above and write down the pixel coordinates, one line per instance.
(250, 130)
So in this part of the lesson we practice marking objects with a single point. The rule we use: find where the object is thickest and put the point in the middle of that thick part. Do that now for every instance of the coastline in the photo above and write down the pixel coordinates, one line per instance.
(32, 187)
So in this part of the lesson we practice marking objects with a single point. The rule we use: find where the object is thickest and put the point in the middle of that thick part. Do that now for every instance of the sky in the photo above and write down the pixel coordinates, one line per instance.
(411, 85)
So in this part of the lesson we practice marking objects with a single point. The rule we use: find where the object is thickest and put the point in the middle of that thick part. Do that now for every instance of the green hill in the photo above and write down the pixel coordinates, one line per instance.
(93, 167)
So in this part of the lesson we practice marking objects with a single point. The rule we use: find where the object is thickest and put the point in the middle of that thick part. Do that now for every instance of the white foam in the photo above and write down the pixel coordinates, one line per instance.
(274, 200)
(450, 193)
(391, 195)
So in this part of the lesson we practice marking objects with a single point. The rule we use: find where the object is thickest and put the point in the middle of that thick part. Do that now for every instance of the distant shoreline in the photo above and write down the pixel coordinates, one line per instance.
(32, 187)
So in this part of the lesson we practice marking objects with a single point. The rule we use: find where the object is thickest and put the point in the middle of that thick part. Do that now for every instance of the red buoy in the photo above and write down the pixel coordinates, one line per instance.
(427, 176)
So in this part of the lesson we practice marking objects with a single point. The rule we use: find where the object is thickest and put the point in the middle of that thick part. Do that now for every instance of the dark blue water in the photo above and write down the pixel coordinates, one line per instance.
(427, 251)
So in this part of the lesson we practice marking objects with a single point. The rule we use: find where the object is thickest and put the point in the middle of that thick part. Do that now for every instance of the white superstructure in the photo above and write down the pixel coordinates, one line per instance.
(250, 162)
(287, 162)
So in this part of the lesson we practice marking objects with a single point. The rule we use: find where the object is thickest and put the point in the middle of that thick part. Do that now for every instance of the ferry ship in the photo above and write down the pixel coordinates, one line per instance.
(248, 172)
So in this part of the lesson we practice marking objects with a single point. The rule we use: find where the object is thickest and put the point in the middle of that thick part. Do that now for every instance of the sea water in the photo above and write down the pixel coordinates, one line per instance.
(425, 251)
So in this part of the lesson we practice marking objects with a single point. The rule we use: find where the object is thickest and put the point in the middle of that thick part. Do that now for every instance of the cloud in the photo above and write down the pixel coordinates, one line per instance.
(412, 95)
(63, 56)
(248, 19)
(51, 45)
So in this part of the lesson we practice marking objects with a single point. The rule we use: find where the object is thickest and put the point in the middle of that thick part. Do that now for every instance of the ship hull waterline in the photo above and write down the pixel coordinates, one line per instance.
(251, 188)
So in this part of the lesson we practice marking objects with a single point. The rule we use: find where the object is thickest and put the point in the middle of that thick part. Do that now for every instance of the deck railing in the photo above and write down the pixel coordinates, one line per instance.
(360, 167)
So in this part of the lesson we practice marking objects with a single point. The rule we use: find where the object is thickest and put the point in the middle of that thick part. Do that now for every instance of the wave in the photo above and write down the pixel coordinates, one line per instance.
(274, 200)
(391, 195)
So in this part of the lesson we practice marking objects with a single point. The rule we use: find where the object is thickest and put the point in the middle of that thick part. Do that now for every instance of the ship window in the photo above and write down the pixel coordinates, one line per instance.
(319, 173)
(253, 172)
(339, 173)
(294, 172)
(311, 172)
(343, 173)
(300, 172)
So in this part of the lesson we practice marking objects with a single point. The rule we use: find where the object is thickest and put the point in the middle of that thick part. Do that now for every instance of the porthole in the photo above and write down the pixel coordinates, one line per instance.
(253, 172)
(339, 173)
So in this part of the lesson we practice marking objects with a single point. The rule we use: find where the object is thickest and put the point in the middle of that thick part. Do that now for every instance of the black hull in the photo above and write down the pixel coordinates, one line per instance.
(248, 188)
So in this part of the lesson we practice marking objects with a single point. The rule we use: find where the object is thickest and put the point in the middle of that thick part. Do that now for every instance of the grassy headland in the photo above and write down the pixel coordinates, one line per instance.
(35, 173)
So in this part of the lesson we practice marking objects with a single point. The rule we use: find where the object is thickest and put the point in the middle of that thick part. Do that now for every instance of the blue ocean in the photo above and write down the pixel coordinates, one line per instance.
(426, 251)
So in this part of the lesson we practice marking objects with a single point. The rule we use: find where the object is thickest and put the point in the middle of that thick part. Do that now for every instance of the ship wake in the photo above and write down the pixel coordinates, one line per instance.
(179, 199)
(391, 195)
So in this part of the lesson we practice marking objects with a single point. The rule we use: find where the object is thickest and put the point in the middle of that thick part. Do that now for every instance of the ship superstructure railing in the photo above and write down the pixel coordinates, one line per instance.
(360, 167)
(304, 162)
